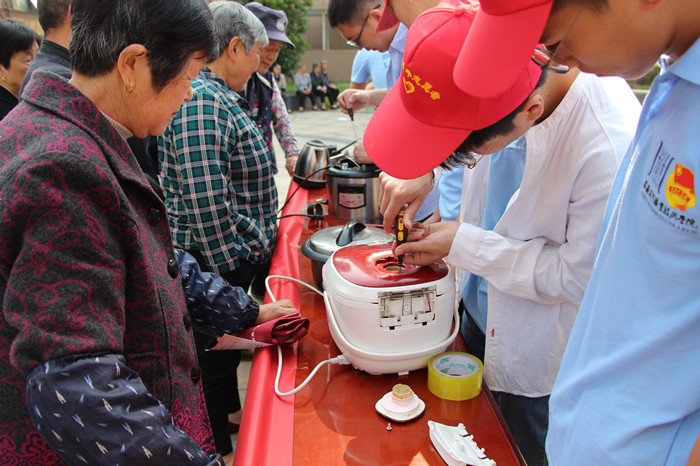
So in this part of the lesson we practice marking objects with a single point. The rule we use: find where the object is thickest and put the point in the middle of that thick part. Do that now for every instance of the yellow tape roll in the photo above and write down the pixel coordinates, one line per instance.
(455, 376)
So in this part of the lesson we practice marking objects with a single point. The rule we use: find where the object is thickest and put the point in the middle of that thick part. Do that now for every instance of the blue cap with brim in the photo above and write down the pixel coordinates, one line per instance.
(275, 21)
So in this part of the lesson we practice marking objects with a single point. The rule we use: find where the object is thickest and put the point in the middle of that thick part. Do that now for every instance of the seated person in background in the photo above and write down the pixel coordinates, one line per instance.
(216, 172)
(331, 89)
(19, 45)
(281, 81)
(302, 84)
(369, 65)
(264, 97)
(318, 87)
(531, 214)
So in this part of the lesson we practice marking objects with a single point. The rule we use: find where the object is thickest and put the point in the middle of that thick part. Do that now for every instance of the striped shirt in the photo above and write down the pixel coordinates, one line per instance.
(217, 176)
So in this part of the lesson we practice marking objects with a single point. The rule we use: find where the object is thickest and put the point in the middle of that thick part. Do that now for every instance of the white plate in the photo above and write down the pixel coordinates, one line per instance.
(400, 417)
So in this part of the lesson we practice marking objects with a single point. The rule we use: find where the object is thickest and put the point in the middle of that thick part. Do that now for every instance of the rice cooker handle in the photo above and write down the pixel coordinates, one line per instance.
(347, 234)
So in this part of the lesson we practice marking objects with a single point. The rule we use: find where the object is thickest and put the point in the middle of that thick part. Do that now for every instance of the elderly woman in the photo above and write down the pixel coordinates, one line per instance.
(19, 45)
(263, 94)
(318, 87)
(216, 172)
(96, 346)
(302, 84)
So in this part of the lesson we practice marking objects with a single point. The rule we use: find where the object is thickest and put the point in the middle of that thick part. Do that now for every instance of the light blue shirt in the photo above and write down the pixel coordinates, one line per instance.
(370, 63)
(506, 168)
(628, 390)
(450, 187)
(396, 56)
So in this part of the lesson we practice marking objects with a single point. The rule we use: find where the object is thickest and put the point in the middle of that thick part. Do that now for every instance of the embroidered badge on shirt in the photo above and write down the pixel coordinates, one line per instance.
(680, 188)
(669, 189)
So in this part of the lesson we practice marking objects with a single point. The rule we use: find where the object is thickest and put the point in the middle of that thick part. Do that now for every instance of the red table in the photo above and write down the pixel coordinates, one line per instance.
(333, 420)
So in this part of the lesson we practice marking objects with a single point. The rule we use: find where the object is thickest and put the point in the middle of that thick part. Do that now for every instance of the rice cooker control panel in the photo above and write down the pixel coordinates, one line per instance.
(407, 308)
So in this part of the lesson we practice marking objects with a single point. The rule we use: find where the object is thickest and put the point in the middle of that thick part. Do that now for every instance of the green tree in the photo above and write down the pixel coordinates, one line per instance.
(296, 11)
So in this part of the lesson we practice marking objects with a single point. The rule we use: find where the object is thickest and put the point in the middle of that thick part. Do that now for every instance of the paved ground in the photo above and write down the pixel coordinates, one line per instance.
(330, 126)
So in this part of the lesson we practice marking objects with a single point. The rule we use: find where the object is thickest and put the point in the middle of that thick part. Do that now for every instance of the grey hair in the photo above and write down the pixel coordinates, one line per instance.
(232, 19)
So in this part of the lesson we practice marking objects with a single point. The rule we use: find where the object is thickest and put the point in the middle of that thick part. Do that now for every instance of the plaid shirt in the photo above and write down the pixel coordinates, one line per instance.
(217, 177)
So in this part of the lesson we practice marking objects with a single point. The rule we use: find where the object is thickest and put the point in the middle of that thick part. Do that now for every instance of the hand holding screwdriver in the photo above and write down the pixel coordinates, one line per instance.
(400, 232)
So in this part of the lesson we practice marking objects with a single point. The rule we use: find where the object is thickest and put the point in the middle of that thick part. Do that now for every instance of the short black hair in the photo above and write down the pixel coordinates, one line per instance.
(482, 136)
(348, 11)
(171, 30)
(14, 37)
(52, 13)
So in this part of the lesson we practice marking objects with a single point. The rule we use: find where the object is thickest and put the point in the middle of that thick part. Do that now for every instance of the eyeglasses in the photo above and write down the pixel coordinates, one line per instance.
(548, 59)
(469, 158)
(356, 43)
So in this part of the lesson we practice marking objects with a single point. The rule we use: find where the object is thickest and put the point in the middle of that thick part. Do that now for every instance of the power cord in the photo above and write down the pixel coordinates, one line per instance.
(289, 198)
(340, 359)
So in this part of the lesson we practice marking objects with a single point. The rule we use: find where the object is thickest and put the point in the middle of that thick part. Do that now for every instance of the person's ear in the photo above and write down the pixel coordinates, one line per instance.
(235, 48)
(375, 14)
(533, 108)
(133, 66)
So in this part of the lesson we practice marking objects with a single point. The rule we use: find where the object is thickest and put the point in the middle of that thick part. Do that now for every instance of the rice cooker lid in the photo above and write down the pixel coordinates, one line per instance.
(325, 242)
(374, 266)
(348, 168)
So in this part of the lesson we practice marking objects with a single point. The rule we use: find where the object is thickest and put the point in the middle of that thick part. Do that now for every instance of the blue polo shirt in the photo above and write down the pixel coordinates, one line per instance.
(370, 64)
(628, 388)
(396, 56)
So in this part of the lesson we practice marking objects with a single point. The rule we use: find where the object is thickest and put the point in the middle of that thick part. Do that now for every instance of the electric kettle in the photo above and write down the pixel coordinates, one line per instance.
(314, 158)
(310, 171)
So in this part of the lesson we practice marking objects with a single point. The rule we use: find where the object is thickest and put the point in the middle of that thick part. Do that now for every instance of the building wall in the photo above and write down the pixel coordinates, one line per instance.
(23, 11)
(327, 44)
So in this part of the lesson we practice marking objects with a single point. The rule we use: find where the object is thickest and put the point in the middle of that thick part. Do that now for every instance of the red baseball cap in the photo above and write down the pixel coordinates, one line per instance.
(388, 19)
(500, 44)
(425, 116)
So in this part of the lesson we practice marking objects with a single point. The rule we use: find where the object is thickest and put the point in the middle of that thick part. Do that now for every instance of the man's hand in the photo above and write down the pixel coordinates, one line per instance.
(274, 310)
(290, 163)
(353, 98)
(358, 99)
(428, 243)
(434, 217)
(395, 193)
(360, 154)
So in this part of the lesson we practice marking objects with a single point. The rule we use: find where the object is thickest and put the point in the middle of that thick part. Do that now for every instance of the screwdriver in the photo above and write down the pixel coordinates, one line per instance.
(400, 232)
(351, 113)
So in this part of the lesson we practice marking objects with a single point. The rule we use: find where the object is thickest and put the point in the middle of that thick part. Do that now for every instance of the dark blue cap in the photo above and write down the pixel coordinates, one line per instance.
(275, 21)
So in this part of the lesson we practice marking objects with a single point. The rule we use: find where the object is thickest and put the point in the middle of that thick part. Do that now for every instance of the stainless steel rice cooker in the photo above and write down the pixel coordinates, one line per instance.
(385, 317)
(353, 190)
(325, 242)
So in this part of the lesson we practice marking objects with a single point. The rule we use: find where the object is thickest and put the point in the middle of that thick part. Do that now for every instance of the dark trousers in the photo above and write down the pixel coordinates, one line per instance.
(527, 418)
(301, 97)
(219, 368)
(331, 93)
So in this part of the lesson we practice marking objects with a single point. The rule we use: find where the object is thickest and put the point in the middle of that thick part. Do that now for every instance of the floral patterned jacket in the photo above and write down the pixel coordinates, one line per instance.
(95, 339)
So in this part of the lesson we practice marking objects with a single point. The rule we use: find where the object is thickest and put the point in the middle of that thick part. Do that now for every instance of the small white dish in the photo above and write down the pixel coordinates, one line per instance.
(400, 416)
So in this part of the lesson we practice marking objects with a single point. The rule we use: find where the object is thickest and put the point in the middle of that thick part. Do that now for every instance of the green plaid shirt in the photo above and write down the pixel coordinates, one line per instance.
(217, 176)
